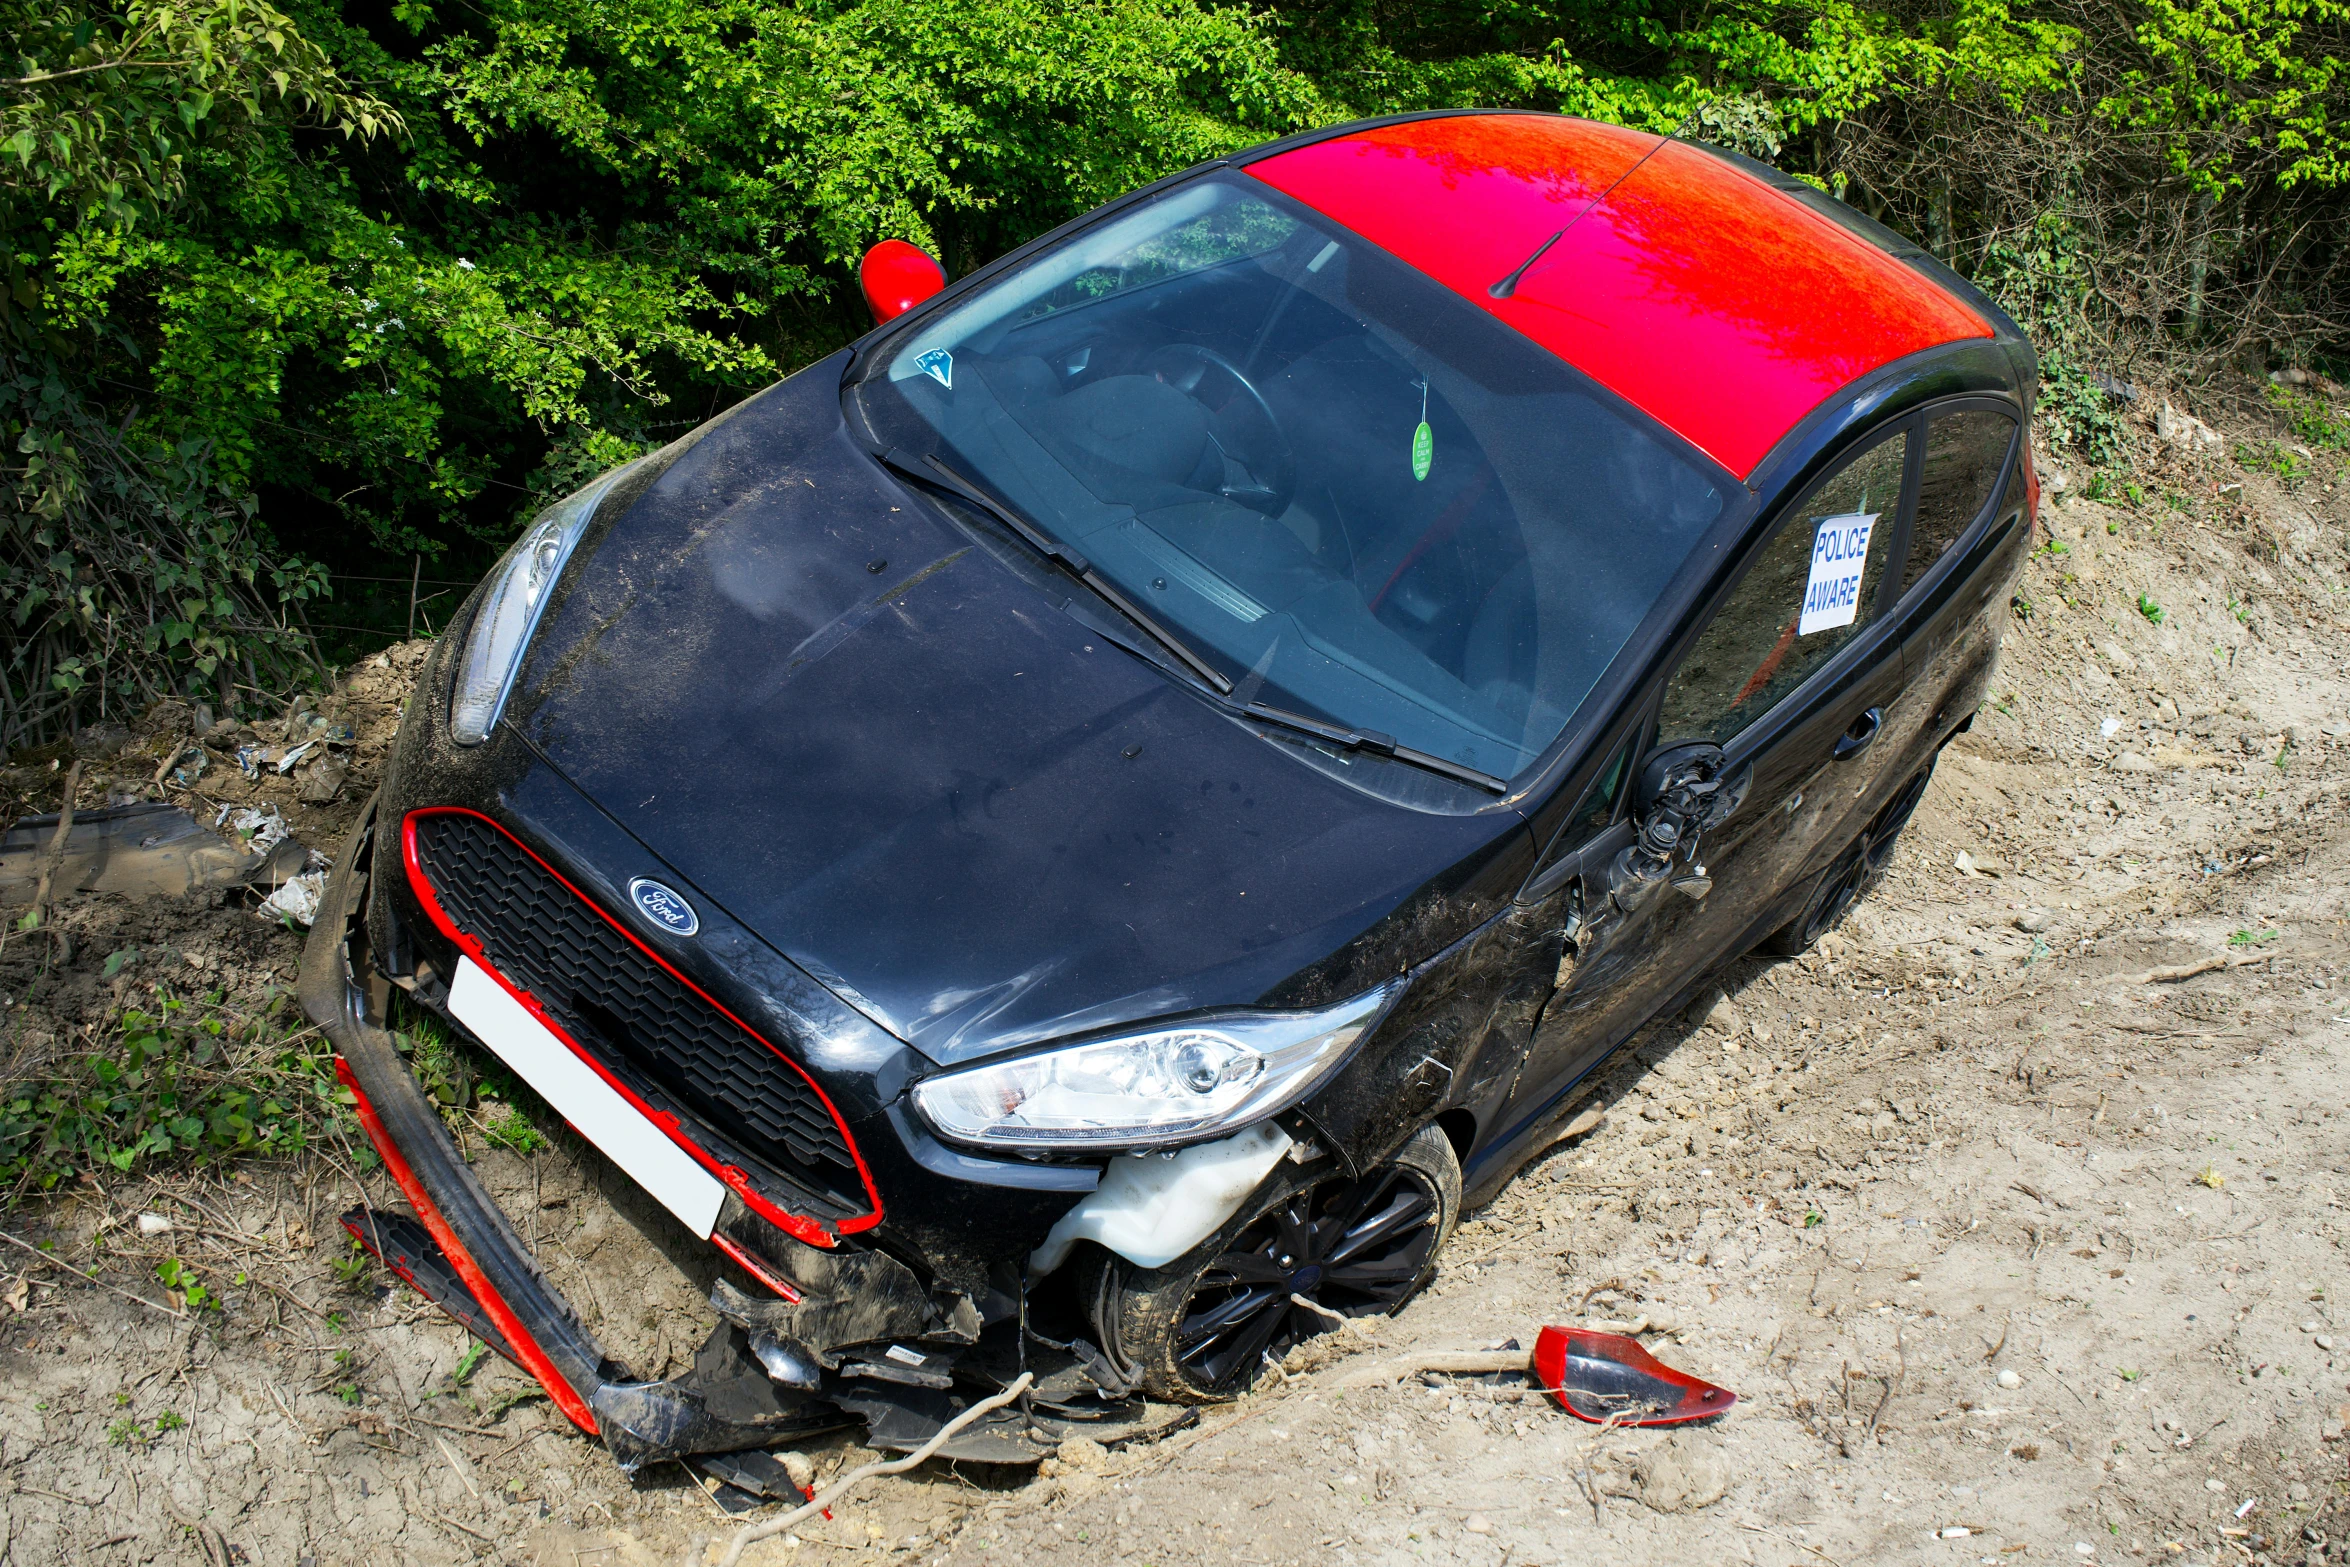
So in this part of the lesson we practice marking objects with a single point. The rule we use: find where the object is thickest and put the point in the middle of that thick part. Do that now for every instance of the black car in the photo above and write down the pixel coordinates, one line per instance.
(1077, 833)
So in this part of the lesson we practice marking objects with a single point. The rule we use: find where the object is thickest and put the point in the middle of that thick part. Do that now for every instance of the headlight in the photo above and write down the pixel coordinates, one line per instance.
(510, 609)
(1179, 1084)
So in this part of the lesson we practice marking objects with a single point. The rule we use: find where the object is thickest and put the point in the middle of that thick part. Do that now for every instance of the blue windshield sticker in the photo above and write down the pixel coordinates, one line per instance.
(939, 365)
(1839, 554)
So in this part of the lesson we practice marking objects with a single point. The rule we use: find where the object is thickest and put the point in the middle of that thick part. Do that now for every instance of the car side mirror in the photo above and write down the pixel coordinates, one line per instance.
(896, 277)
(1681, 793)
(1696, 766)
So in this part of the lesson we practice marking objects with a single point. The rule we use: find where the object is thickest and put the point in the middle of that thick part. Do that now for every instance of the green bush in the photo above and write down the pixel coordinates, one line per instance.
(2313, 421)
(315, 303)
(191, 1081)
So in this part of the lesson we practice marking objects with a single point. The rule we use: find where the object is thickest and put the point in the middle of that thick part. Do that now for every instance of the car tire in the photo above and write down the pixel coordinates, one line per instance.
(1848, 879)
(1201, 1329)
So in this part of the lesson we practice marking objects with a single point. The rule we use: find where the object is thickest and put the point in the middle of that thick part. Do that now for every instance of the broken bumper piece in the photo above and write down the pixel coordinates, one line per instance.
(863, 1343)
(1610, 1379)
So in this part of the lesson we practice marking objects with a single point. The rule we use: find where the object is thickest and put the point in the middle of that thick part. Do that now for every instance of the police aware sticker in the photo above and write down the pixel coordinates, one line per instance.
(1839, 552)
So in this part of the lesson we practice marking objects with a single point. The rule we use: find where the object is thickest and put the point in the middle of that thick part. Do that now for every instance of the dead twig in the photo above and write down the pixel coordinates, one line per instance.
(222, 1227)
(281, 1291)
(518, 1445)
(51, 858)
(457, 1467)
(1791, 1540)
(92, 1277)
(454, 1524)
(2037, 1195)
(443, 1425)
(170, 760)
(1318, 1309)
(1583, 1475)
(752, 1534)
(1892, 1386)
(287, 1409)
(214, 1544)
(1468, 1362)
(2171, 976)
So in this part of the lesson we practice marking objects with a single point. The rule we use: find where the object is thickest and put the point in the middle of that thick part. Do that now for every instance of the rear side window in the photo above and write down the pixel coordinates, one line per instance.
(1799, 603)
(1964, 452)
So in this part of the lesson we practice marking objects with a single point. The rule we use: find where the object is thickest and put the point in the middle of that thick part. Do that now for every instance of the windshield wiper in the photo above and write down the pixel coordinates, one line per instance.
(929, 470)
(1372, 743)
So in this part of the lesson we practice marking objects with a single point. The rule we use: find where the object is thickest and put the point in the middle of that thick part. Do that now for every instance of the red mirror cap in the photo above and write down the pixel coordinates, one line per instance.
(896, 277)
(1607, 1376)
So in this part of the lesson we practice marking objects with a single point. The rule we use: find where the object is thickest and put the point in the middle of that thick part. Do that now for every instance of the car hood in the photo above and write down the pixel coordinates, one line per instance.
(868, 737)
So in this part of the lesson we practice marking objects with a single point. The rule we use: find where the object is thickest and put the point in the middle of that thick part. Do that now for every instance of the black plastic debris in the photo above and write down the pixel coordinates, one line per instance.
(403, 1245)
(141, 851)
(868, 1340)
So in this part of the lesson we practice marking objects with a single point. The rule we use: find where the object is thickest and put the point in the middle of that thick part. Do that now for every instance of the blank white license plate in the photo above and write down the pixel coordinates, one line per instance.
(594, 1107)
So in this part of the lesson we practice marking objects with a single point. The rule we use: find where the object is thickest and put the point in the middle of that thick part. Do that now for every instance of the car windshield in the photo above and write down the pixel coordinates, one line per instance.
(1362, 498)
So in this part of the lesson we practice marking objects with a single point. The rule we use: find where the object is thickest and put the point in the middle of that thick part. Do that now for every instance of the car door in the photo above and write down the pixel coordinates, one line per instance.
(1795, 700)
(1969, 537)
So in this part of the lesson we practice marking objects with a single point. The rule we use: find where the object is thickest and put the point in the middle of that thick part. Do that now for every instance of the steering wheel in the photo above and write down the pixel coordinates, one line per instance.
(1239, 421)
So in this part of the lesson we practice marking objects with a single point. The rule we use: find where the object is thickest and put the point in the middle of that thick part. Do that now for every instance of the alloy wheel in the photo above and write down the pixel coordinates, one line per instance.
(1352, 1247)
(1885, 831)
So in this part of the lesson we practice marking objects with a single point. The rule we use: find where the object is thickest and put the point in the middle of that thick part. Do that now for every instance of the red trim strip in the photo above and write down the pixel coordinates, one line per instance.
(735, 1179)
(753, 1264)
(534, 1359)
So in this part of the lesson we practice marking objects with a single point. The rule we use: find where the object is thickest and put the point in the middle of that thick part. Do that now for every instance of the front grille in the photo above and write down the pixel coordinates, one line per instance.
(612, 998)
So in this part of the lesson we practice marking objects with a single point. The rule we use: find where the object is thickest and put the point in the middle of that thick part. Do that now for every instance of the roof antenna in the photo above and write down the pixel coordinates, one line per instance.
(1509, 285)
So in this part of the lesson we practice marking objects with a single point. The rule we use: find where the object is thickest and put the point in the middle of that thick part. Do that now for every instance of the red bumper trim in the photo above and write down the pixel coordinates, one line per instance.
(526, 1348)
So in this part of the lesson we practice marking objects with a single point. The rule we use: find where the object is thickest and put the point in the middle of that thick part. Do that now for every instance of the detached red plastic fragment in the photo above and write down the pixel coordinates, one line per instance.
(1603, 1376)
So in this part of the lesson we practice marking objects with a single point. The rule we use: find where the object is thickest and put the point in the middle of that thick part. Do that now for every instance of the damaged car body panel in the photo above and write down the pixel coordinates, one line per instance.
(1072, 837)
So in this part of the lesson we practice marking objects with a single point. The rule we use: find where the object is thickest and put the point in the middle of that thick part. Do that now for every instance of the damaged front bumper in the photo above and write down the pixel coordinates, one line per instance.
(853, 1335)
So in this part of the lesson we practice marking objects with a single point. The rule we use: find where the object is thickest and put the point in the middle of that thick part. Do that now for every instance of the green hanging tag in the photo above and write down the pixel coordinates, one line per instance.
(1423, 440)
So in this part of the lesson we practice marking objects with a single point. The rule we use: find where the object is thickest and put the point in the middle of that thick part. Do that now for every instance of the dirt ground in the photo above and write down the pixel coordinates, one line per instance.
(2014, 1247)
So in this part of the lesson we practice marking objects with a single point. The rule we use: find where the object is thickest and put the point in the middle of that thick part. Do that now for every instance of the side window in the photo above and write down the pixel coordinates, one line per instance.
(1811, 589)
(1964, 451)
(1598, 806)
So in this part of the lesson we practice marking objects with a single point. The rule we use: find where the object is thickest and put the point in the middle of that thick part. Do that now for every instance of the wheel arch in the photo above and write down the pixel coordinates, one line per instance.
(1459, 1126)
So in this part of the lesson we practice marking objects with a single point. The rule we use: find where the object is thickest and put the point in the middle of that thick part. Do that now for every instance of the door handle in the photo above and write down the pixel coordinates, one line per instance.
(1864, 729)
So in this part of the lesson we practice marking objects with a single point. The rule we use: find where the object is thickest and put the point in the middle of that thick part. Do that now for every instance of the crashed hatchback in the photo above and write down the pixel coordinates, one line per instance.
(1074, 835)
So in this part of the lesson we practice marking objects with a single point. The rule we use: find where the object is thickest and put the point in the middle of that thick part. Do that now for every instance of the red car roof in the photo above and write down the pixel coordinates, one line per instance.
(1724, 308)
